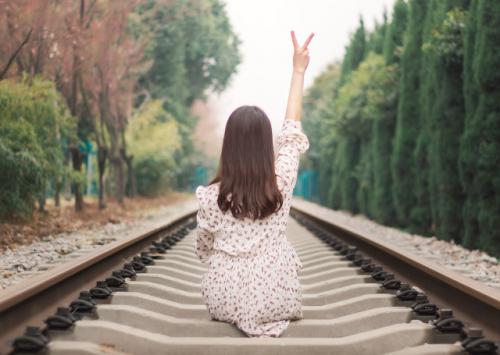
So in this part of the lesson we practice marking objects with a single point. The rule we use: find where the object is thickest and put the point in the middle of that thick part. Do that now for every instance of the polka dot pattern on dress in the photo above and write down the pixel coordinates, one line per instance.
(252, 279)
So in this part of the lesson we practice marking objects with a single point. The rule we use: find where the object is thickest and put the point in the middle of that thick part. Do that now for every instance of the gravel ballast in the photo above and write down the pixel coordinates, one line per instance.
(41, 255)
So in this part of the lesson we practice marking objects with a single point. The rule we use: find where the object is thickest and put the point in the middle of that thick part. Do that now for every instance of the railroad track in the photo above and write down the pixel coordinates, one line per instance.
(358, 299)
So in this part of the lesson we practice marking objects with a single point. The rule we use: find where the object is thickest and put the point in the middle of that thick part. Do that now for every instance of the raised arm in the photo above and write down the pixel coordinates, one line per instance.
(291, 140)
(300, 62)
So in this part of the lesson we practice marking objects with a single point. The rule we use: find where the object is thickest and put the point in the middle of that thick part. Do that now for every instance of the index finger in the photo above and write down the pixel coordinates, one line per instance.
(308, 40)
(294, 40)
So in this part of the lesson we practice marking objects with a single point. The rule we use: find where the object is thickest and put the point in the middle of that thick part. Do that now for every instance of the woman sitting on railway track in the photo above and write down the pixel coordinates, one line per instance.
(252, 279)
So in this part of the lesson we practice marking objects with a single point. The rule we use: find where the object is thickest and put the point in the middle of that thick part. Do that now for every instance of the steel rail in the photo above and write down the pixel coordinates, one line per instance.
(34, 299)
(472, 302)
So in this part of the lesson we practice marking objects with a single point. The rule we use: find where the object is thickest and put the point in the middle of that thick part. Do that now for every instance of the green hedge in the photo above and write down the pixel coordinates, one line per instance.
(413, 140)
(34, 122)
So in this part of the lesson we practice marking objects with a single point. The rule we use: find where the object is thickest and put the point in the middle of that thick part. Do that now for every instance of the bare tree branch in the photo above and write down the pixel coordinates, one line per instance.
(15, 54)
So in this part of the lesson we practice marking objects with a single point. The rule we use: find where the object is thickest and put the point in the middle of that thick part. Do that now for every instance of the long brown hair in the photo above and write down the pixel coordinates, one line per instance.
(246, 173)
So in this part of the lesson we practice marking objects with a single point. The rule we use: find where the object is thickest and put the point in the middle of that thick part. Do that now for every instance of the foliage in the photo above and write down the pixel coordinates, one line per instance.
(193, 49)
(83, 47)
(362, 104)
(393, 41)
(154, 174)
(21, 175)
(35, 122)
(105, 58)
(355, 52)
(411, 131)
(480, 142)
(407, 124)
(447, 39)
(318, 105)
(342, 188)
(153, 137)
(376, 38)
(383, 127)
(444, 124)
(361, 98)
(153, 130)
(422, 212)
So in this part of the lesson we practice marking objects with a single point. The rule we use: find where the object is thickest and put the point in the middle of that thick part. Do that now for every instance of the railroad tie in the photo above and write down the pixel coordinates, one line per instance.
(349, 305)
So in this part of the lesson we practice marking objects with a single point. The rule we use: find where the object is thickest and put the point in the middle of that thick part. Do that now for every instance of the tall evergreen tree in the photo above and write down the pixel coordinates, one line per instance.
(348, 158)
(480, 144)
(376, 38)
(318, 106)
(427, 105)
(393, 39)
(468, 148)
(421, 212)
(447, 117)
(364, 170)
(383, 126)
(343, 182)
(355, 51)
(407, 124)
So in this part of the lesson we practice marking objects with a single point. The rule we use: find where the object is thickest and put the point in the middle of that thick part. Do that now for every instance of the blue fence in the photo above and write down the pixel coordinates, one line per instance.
(307, 185)
(199, 177)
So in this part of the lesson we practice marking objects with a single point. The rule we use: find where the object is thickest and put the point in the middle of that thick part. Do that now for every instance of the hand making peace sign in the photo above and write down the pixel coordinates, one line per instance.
(300, 53)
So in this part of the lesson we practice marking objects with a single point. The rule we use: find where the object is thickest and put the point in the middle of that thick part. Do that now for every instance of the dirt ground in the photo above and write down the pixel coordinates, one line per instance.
(65, 219)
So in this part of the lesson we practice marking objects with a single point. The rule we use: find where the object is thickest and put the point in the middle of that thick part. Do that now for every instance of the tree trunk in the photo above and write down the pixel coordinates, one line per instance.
(116, 162)
(77, 157)
(118, 173)
(102, 155)
(57, 194)
(131, 188)
(120, 180)
(132, 184)
(41, 201)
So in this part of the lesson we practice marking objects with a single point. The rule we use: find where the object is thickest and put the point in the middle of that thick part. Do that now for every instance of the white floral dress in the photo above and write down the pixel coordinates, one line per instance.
(251, 280)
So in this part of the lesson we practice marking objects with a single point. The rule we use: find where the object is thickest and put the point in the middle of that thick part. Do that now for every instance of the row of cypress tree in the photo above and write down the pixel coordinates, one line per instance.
(409, 122)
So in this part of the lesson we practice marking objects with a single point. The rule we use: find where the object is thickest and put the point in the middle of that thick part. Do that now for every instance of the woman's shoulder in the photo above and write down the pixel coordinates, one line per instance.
(200, 192)
(206, 193)
(292, 133)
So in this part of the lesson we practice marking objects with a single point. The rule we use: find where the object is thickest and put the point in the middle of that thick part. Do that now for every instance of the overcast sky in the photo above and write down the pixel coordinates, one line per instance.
(264, 27)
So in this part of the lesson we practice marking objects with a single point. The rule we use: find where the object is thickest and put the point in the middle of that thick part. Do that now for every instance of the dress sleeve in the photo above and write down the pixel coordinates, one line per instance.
(205, 227)
(291, 143)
